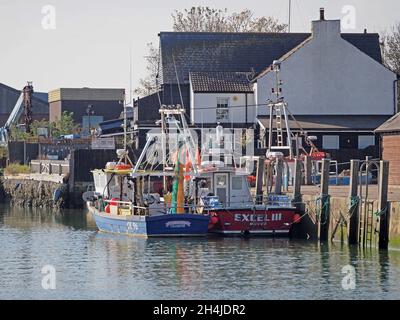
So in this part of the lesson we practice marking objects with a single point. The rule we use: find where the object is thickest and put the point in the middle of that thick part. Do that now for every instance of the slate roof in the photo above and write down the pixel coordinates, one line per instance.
(237, 52)
(221, 82)
(391, 125)
(332, 122)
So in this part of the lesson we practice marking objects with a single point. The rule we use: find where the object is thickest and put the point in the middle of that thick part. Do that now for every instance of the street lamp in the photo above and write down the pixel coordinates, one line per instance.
(89, 112)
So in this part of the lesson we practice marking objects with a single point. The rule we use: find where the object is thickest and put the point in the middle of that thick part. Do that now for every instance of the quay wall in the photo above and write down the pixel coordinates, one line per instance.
(339, 210)
(34, 193)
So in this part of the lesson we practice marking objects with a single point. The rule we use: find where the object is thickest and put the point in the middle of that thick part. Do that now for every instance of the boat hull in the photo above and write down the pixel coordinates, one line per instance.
(167, 225)
(248, 222)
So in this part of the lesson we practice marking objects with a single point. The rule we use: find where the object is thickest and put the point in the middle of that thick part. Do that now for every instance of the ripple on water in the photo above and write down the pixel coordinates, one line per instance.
(92, 265)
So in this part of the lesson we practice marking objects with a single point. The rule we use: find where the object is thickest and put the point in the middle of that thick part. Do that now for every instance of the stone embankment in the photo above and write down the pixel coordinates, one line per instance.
(32, 193)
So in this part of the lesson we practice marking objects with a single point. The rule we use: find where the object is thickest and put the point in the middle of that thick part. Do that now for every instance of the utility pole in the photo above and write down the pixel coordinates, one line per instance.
(290, 13)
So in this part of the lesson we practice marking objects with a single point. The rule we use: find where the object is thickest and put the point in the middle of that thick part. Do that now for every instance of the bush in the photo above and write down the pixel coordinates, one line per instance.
(16, 168)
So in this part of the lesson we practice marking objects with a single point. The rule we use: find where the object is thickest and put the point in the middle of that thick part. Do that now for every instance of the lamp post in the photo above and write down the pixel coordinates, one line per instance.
(89, 112)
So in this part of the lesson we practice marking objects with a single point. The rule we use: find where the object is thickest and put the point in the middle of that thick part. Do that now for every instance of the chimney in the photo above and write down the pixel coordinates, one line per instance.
(325, 28)
(321, 14)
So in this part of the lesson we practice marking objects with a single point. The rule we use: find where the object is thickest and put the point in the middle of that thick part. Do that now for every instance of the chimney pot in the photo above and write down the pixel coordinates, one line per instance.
(365, 31)
(321, 14)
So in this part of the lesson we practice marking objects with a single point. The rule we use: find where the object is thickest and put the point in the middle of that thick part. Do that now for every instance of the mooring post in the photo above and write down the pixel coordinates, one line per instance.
(384, 209)
(324, 220)
(307, 170)
(354, 202)
(259, 179)
(297, 184)
(279, 176)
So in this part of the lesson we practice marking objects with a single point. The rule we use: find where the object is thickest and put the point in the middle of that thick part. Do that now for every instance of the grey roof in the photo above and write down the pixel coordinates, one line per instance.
(332, 122)
(391, 125)
(237, 52)
(221, 82)
(9, 96)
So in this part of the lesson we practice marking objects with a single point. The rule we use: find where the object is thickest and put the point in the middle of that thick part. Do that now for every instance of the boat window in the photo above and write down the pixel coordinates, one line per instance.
(236, 183)
(221, 181)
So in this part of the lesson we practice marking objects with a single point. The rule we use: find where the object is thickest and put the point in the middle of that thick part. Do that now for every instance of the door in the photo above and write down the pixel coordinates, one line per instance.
(221, 187)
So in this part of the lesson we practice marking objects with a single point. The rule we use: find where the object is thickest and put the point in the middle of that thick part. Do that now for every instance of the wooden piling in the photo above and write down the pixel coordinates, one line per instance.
(259, 179)
(307, 170)
(383, 205)
(297, 183)
(279, 176)
(354, 203)
(324, 220)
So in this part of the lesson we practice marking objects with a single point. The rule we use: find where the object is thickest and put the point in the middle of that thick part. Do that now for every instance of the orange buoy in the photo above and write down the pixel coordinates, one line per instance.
(108, 208)
(123, 166)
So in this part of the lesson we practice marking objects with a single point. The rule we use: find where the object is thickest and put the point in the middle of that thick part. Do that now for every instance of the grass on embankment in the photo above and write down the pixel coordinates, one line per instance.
(16, 168)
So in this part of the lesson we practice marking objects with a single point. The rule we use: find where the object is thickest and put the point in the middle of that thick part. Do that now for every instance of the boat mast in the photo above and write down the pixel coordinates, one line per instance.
(278, 110)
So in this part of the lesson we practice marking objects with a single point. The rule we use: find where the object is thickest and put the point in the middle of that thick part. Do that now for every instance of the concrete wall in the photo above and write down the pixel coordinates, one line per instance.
(237, 113)
(329, 76)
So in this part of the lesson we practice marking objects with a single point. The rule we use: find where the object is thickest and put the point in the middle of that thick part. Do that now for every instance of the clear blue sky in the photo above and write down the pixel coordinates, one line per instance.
(90, 45)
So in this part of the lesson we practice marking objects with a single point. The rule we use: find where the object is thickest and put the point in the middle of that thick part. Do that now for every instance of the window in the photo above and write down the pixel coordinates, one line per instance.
(365, 141)
(330, 142)
(222, 109)
(236, 183)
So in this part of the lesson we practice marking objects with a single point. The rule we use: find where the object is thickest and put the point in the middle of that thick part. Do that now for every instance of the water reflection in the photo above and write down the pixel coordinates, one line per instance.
(102, 266)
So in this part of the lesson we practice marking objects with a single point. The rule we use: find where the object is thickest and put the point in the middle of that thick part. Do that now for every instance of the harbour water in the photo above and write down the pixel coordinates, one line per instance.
(92, 265)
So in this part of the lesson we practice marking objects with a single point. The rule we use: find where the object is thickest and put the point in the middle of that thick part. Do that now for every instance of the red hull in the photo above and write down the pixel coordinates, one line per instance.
(273, 221)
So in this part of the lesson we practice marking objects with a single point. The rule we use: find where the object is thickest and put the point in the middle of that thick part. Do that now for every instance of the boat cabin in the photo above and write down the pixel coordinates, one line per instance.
(229, 186)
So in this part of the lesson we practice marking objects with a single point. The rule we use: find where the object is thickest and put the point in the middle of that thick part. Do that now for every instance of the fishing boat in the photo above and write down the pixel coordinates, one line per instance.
(225, 194)
(120, 205)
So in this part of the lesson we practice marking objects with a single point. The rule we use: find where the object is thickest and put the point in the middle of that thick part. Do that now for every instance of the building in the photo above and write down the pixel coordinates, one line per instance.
(335, 83)
(9, 97)
(389, 137)
(338, 92)
(86, 104)
(226, 97)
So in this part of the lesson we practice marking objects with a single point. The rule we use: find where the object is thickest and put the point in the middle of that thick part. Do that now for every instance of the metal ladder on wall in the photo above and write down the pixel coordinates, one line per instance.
(279, 132)
(366, 223)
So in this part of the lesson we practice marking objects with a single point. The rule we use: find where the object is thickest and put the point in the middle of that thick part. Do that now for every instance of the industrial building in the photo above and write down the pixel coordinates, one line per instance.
(89, 106)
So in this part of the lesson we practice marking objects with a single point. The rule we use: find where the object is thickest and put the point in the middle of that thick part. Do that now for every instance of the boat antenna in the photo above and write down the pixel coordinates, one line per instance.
(177, 79)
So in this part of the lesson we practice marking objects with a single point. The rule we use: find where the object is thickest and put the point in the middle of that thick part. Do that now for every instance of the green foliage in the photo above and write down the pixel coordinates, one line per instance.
(16, 168)
(3, 152)
(63, 126)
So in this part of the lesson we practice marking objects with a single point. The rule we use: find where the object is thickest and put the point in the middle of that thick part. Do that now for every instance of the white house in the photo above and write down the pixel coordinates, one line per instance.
(225, 97)
(338, 92)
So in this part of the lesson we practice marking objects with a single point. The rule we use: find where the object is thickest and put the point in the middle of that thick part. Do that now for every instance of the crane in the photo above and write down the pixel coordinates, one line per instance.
(23, 104)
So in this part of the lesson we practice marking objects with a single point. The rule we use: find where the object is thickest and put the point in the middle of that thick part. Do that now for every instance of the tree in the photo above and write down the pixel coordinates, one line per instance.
(148, 85)
(205, 19)
(391, 53)
(63, 126)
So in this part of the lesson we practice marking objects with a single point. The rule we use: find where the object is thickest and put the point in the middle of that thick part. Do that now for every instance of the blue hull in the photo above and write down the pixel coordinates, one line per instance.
(167, 225)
